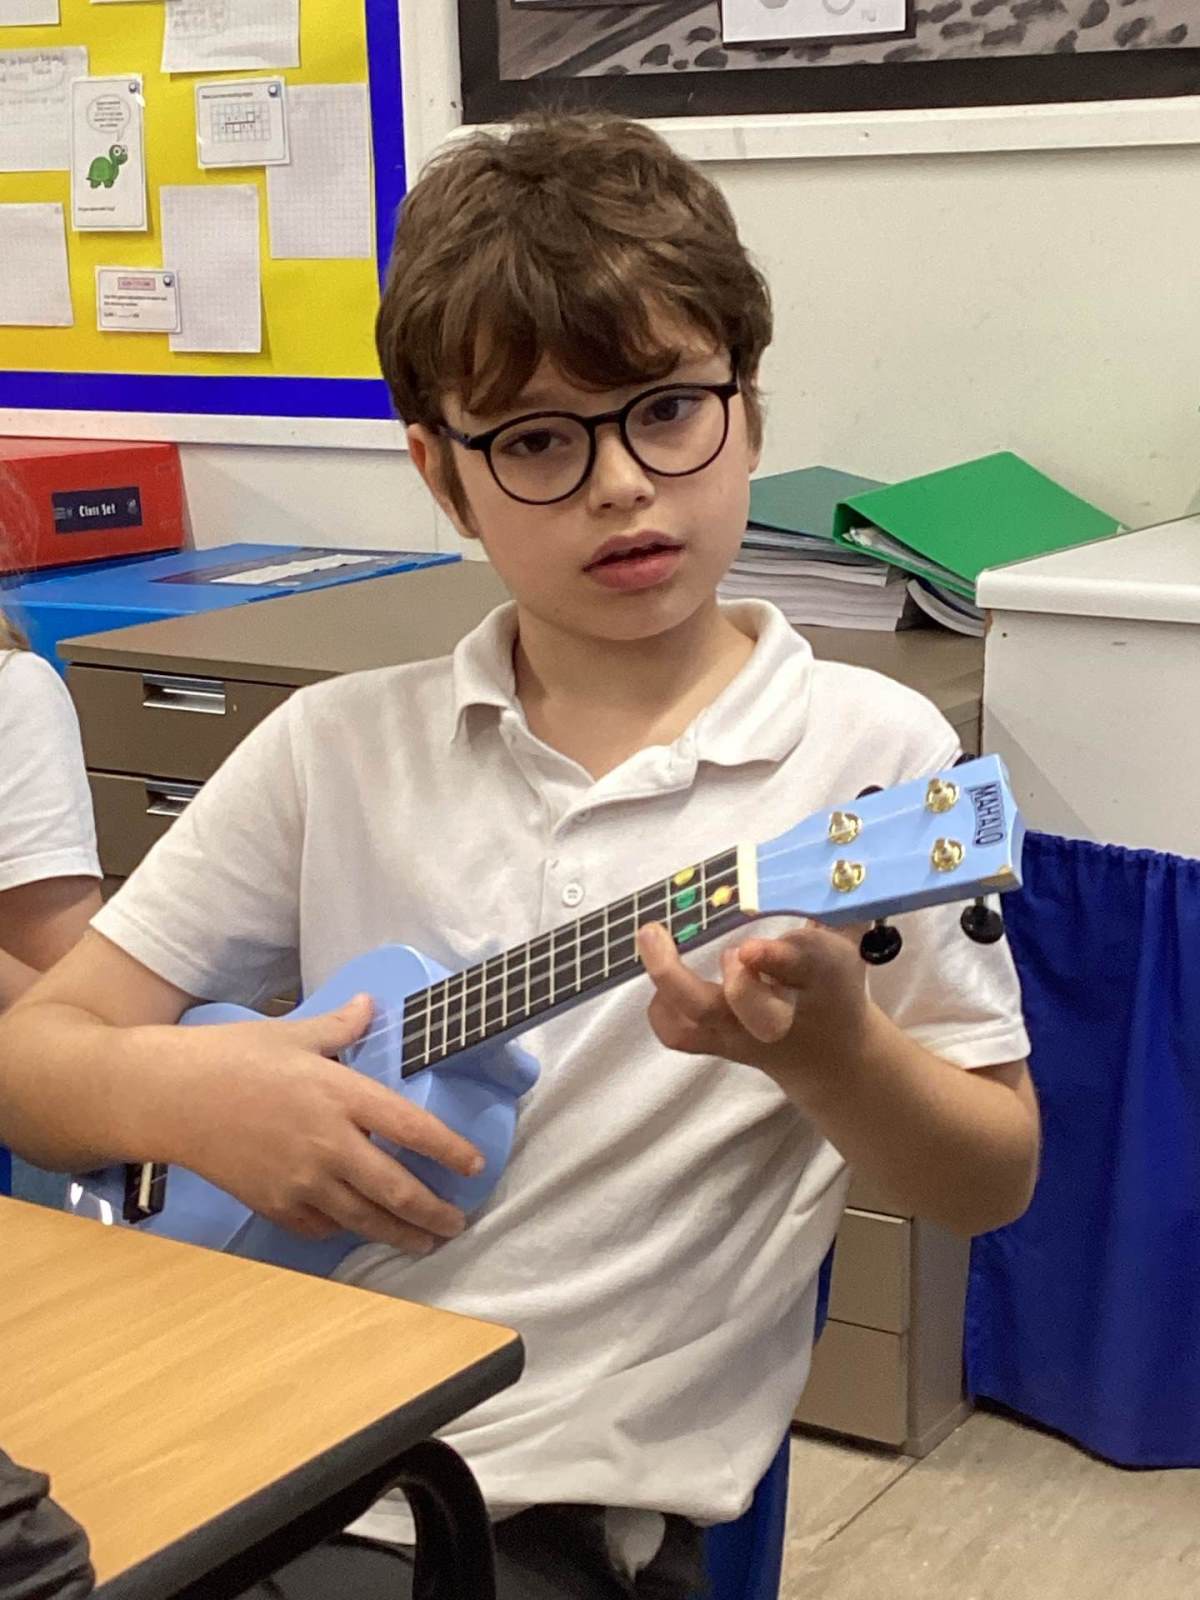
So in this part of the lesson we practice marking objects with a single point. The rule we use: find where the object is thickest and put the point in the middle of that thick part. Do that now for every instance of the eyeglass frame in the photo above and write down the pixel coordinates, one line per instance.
(483, 442)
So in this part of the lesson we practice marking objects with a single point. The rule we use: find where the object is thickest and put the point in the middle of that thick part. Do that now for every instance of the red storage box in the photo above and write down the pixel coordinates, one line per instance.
(68, 500)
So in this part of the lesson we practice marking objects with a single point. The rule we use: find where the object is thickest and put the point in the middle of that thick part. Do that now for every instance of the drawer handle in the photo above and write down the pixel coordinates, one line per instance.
(169, 799)
(166, 692)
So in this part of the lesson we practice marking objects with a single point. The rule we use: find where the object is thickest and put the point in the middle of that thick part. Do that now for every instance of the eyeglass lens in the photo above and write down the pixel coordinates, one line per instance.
(673, 432)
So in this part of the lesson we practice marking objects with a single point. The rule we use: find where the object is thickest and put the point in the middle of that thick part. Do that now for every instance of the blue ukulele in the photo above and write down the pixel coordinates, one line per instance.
(445, 1040)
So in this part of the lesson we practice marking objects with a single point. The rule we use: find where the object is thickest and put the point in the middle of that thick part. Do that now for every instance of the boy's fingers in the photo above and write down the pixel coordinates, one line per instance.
(692, 996)
(383, 1226)
(378, 1109)
(797, 957)
(766, 1013)
(379, 1180)
(333, 1030)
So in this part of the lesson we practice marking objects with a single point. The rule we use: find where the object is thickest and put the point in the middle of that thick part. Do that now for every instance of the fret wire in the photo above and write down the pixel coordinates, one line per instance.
(504, 992)
(606, 941)
(551, 966)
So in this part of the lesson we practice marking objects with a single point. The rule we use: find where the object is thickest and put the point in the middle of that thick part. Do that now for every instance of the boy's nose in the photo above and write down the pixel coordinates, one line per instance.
(618, 478)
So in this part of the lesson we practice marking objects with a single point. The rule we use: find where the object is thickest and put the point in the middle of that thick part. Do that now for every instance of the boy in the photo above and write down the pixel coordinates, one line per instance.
(572, 332)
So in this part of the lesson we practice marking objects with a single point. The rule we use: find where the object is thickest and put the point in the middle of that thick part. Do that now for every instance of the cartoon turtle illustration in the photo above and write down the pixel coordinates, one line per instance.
(104, 169)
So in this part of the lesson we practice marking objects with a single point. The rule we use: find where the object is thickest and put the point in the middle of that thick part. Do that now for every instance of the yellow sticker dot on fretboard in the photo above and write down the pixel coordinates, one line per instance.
(683, 877)
(723, 896)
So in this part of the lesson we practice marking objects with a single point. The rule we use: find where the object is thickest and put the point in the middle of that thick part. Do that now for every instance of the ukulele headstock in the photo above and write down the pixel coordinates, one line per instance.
(954, 836)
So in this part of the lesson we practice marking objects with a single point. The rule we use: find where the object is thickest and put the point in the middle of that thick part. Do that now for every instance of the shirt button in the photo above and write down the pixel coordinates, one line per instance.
(572, 894)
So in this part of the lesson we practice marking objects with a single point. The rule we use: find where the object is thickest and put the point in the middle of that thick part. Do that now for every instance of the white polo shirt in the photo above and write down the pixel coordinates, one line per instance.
(657, 1234)
(46, 828)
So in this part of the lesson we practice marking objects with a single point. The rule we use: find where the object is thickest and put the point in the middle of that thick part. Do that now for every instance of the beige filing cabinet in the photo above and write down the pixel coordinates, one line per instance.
(161, 704)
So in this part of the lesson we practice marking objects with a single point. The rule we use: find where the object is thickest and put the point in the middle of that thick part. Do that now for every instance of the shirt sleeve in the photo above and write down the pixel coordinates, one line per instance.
(960, 1000)
(46, 826)
(214, 906)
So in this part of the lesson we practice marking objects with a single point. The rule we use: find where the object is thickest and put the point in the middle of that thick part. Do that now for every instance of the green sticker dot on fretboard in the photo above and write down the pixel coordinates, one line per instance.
(685, 898)
(688, 931)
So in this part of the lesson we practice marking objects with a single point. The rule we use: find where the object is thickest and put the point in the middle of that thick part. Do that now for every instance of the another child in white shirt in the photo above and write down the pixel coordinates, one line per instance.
(48, 865)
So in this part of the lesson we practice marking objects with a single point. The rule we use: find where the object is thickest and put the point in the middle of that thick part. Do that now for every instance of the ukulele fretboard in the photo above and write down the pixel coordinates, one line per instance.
(509, 991)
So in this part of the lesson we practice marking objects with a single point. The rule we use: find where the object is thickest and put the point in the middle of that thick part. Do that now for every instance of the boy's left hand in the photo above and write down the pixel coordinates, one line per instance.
(789, 1006)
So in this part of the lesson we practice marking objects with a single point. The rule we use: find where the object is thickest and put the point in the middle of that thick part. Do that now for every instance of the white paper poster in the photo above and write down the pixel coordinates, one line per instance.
(210, 238)
(35, 290)
(231, 35)
(242, 122)
(35, 107)
(108, 158)
(136, 300)
(760, 21)
(27, 13)
(320, 203)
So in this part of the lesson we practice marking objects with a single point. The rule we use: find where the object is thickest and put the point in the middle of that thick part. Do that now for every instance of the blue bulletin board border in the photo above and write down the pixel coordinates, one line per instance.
(340, 398)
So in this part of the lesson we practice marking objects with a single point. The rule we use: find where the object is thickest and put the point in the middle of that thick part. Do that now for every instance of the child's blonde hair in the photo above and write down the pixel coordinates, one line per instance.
(11, 637)
(583, 238)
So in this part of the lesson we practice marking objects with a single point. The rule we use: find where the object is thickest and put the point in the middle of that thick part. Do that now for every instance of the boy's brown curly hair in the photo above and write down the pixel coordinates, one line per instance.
(583, 238)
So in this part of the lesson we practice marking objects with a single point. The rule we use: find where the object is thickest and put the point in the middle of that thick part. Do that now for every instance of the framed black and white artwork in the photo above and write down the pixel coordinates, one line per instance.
(688, 58)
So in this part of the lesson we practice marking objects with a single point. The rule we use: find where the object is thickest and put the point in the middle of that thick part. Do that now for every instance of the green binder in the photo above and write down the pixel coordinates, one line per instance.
(803, 501)
(948, 526)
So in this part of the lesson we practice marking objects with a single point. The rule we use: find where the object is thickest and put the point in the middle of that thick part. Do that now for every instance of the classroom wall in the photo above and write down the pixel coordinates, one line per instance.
(929, 308)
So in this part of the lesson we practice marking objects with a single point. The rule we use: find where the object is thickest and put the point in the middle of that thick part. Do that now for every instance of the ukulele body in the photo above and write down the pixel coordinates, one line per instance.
(475, 1092)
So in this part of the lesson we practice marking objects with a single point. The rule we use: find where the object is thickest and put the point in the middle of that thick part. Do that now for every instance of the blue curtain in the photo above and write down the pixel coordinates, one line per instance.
(1085, 1314)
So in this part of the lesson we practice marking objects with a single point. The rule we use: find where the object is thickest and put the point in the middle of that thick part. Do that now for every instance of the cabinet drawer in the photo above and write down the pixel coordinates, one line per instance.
(858, 1384)
(871, 1272)
(165, 723)
(132, 814)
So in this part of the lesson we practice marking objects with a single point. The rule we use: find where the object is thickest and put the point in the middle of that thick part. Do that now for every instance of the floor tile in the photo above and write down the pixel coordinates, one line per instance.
(1003, 1512)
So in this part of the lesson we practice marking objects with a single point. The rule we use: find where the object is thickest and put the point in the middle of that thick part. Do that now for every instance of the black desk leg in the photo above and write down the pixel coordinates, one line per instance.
(454, 1559)
(454, 1556)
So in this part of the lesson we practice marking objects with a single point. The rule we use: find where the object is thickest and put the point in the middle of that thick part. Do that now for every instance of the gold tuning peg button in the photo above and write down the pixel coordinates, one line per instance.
(847, 876)
(844, 827)
(946, 855)
(941, 795)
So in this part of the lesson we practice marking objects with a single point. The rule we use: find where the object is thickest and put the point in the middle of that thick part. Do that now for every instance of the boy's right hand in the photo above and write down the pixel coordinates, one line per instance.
(286, 1130)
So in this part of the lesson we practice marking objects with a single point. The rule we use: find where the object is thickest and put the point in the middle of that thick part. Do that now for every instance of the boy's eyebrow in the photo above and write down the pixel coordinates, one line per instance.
(538, 399)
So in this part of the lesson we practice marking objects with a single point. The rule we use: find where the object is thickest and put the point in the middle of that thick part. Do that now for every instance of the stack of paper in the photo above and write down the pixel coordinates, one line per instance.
(789, 556)
(946, 607)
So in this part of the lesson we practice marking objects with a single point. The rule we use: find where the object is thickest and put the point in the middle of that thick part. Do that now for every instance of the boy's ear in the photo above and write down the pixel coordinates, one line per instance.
(424, 447)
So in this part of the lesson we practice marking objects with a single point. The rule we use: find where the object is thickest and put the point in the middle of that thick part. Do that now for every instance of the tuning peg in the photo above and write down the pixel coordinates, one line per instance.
(872, 788)
(880, 944)
(981, 923)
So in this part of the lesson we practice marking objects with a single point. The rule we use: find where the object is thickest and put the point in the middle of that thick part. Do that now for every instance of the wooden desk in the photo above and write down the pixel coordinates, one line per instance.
(191, 1408)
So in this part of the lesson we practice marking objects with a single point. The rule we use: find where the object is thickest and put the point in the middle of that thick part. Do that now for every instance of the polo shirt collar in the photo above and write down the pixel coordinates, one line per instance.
(759, 716)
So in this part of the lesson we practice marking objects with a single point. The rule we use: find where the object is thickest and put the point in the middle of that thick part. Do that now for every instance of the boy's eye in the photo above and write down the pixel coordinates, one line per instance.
(676, 405)
(523, 443)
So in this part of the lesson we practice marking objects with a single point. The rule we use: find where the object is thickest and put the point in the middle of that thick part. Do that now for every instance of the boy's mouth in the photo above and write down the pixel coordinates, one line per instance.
(616, 551)
(642, 562)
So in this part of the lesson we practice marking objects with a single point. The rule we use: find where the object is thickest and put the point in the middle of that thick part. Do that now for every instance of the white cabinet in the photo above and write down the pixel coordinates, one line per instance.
(1092, 687)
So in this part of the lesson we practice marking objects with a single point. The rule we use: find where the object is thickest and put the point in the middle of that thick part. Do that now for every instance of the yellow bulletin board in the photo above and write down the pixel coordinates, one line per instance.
(318, 357)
